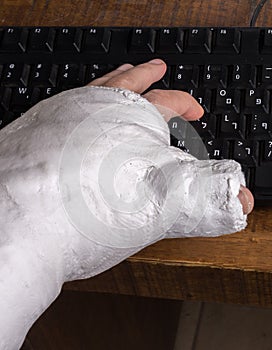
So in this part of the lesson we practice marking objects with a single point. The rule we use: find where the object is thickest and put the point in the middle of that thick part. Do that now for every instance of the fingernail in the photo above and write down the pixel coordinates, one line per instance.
(156, 61)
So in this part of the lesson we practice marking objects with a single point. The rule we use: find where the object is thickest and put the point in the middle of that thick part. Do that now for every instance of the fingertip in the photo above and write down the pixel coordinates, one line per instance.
(247, 200)
(157, 61)
(195, 113)
(194, 110)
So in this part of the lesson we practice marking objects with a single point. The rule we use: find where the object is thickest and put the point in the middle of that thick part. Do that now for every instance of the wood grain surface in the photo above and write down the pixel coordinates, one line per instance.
(236, 268)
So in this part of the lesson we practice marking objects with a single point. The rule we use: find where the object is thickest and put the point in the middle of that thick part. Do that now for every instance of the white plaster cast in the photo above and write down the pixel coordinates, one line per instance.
(41, 243)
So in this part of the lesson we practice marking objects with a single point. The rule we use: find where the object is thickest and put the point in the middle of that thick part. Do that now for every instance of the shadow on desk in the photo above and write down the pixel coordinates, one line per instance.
(80, 320)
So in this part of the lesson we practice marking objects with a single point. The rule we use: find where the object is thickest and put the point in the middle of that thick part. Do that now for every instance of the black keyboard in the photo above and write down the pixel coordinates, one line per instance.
(228, 70)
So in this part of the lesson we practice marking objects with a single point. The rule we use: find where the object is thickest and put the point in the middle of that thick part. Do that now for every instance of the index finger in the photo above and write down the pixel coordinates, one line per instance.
(139, 78)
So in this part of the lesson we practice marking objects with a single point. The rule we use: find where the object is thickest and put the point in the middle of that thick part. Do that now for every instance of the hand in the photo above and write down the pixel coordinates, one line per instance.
(139, 79)
(70, 170)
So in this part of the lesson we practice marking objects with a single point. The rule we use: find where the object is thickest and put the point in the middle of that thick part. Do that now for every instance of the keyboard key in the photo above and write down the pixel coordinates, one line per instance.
(245, 152)
(13, 40)
(206, 126)
(232, 126)
(43, 75)
(250, 41)
(266, 77)
(267, 156)
(15, 74)
(227, 100)
(193, 146)
(198, 40)
(227, 40)
(96, 40)
(186, 76)
(68, 39)
(267, 41)
(170, 40)
(260, 127)
(177, 128)
(47, 92)
(41, 40)
(257, 101)
(96, 70)
(215, 76)
(243, 76)
(71, 75)
(20, 99)
(203, 97)
(217, 149)
(142, 40)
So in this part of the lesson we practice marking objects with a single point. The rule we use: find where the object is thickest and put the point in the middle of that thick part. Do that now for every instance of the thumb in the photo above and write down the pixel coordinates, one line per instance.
(206, 195)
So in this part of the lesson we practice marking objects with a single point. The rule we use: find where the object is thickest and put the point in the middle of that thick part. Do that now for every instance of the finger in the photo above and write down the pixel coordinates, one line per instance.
(101, 81)
(140, 77)
(175, 103)
(246, 199)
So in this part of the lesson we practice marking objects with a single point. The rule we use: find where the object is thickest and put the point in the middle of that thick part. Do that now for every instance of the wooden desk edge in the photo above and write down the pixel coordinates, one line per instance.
(183, 282)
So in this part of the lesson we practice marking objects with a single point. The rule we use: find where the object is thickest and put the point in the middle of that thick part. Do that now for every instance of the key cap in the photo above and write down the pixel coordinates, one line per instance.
(203, 97)
(47, 92)
(206, 126)
(260, 127)
(194, 147)
(14, 40)
(43, 75)
(142, 40)
(250, 41)
(257, 101)
(71, 75)
(217, 148)
(22, 98)
(184, 136)
(19, 98)
(267, 41)
(245, 152)
(15, 74)
(198, 40)
(227, 100)
(68, 40)
(227, 40)
(170, 40)
(267, 154)
(232, 126)
(243, 76)
(41, 40)
(96, 70)
(177, 128)
(215, 76)
(266, 77)
(96, 40)
(186, 77)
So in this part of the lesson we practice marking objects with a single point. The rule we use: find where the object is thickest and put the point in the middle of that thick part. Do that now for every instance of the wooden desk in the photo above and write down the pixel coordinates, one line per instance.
(236, 268)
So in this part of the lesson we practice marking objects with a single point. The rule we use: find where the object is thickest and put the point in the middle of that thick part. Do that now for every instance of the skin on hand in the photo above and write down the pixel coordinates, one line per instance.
(139, 78)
